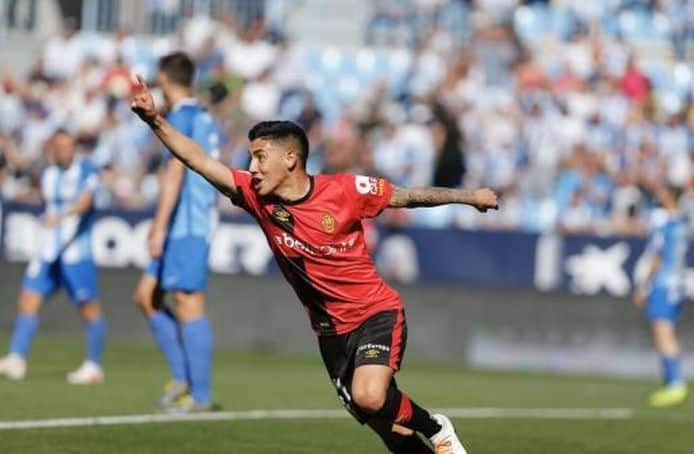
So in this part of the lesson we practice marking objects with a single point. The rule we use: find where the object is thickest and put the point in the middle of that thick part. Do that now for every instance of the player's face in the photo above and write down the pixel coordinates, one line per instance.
(664, 197)
(64, 149)
(163, 84)
(269, 166)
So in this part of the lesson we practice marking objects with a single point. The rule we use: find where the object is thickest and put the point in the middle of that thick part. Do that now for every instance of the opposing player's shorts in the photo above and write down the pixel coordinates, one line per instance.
(79, 279)
(381, 339)
(662, 303)
(183, 266)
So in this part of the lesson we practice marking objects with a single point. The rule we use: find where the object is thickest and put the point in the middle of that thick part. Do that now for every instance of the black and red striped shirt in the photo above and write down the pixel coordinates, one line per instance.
(319, 245)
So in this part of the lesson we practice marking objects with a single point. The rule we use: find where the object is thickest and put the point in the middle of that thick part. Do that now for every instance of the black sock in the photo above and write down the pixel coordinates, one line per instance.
(412, 445)
(401, 410)
(399, 443)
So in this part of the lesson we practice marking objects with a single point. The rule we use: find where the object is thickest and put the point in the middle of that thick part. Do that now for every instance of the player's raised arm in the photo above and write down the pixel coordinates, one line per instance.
(184, 148)
(482, 199)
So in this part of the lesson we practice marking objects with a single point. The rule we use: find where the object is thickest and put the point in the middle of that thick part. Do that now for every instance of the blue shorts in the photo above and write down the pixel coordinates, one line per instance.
(79, 279)
(183, 266)
(663, 304)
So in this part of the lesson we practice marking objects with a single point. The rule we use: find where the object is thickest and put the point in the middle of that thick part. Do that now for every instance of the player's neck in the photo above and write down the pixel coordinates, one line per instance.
(295, 188)
(176, 95)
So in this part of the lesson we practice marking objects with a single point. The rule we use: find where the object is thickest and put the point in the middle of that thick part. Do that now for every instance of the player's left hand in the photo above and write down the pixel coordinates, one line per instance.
(155, 242)
(486, 199)
(142, 102)
(51, 220)
(639, 298)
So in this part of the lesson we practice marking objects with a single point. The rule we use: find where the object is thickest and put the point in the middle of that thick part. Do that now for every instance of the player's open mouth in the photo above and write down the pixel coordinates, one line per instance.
(256, 183)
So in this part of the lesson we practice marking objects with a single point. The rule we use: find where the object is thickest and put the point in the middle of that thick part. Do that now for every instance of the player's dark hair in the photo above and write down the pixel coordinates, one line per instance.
(61, 132)
(178, 67)
(282, 130)
(675, 190)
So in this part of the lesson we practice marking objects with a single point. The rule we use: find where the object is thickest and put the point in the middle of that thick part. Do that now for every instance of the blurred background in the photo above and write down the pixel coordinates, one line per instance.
(571, 109)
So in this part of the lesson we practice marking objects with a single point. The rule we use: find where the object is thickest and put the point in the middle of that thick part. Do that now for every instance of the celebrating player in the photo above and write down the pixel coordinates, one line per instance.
(63, 258)
(313, 225)
(178, 242)
(663, 290)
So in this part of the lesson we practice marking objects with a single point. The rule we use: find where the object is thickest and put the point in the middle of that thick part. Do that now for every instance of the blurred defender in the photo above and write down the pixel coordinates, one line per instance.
(63, 258)
(178, 242)
(313, 225)
(663, 290)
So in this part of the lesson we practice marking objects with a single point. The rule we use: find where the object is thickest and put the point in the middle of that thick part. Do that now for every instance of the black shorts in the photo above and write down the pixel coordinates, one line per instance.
(381, 339)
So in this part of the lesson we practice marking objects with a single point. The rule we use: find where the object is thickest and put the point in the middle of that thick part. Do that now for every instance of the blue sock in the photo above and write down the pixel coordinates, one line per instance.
(672, 371)
(197, 342)
(96, 330)
(165, 329)
(25, 326)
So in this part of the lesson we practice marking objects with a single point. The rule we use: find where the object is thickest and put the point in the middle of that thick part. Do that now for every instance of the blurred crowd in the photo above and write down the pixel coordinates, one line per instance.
(572, 109)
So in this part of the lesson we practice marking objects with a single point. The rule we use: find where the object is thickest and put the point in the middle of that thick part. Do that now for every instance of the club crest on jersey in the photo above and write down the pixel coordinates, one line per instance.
(328, 223)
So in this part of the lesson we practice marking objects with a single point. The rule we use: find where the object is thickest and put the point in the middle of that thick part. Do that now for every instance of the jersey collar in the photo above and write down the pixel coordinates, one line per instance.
(304, 198)
(184, 102)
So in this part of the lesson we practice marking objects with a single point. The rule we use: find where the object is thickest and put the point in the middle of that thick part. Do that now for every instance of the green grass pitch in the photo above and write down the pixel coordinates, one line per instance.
(245, 381)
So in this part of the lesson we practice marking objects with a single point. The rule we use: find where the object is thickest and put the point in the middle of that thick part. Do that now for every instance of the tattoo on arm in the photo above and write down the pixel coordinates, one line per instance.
(429, 197)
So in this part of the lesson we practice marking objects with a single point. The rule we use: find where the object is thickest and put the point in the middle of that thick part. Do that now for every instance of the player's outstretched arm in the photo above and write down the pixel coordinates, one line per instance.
(482, 199)
(184, 148)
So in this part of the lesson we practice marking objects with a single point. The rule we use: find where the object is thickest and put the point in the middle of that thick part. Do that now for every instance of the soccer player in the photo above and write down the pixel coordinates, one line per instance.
(662, 292)
(178, 242)
(313, 225)
(63, 258)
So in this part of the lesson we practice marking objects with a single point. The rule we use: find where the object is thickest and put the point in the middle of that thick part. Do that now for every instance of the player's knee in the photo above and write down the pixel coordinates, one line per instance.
(28, 303)
(90, 310)
(368, 399)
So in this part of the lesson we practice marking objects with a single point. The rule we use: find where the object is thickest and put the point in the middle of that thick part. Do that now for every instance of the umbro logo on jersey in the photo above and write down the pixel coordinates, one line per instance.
(328, 223)
(282, 217)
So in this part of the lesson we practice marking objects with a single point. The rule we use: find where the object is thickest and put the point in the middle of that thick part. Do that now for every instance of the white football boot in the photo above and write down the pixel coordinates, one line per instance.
(89, 373)
(13, 367)
(446, 441)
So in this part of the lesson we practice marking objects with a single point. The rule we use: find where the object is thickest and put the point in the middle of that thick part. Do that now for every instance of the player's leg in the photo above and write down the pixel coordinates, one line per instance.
(39, 281)
(91, 370)
(81, 282)
(149, 298)
(338, 356)
(665, 340)
(196, 333)
(373, 394)
(185, 273)
(379, 352)
(398, 439)
(662, 313)
(13, 366)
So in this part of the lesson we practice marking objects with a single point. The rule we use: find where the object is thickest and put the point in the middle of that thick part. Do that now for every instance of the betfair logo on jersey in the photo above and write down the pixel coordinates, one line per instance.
(328, 223)
(291, 242)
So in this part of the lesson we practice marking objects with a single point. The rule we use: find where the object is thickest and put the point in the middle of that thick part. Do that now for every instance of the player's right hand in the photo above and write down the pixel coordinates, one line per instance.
(142, 102)
(155, 242)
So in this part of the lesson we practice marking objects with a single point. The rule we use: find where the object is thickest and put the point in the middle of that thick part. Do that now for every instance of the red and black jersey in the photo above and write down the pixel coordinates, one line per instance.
(319, 245)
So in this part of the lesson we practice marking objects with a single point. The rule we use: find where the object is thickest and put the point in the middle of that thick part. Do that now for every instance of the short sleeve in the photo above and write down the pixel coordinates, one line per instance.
(244, 196)
(656, 242)
(369, 195)
(90, 177)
